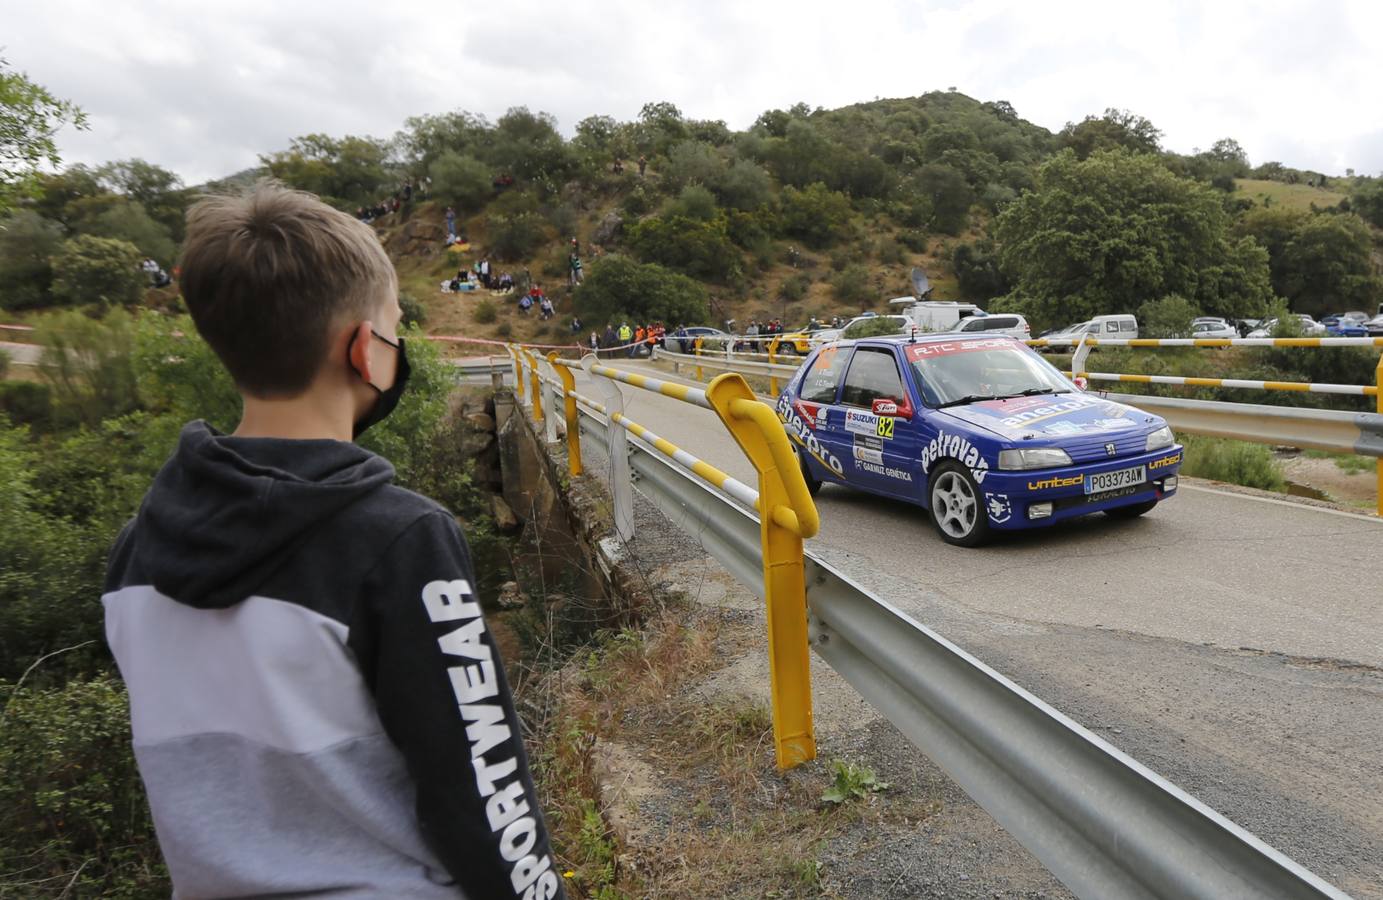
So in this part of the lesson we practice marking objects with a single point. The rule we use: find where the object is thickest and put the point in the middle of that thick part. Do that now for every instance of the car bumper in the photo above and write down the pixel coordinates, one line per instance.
(1040, 497)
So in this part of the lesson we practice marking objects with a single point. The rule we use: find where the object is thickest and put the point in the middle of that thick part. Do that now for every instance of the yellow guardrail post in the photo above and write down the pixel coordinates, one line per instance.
(534, 386)
(569, 413)
(773, 358)
(1378, 381)
(518, 371)
(786, 516)
(697, 344)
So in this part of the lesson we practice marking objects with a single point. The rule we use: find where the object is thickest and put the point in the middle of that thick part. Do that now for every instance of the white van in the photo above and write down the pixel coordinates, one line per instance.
(1123, 327)
(935, 315)
(1010, 324)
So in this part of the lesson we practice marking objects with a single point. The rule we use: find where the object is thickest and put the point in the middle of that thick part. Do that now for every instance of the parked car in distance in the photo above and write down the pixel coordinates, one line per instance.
(1350, 324)
(1213, 329)
(1309, 327)
(1112, 327)
(711, 339)
(1374, 326)
(1010, 324)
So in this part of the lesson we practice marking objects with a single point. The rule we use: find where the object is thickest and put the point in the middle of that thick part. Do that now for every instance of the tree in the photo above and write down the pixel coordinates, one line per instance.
(1367, 201)
(29, 120)
(1110, 233)
(950, 196)
(1168, 317)
(528, 146)
(814, 214)
(463, 180)
(1326, 268)
(348, 171)
(692, 162)
(27, 244)
(977, 270)
(745, 185)
(129, 222)
(702, 249)
(97, 270)
(153, 187)
(618, 287)
(1116, 128)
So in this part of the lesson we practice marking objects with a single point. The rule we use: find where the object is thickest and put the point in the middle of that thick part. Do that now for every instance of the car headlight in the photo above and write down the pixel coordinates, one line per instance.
(1160, 438)
(1034, 458)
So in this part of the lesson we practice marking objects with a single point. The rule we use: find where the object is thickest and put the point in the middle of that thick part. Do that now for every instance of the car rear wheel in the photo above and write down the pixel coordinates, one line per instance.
(813, 483)
(956, 508)
(1131, 511)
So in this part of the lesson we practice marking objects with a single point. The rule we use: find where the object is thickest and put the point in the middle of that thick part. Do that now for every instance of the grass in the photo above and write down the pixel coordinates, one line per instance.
(1291, 196)
(1346, 462)
(1235, 462)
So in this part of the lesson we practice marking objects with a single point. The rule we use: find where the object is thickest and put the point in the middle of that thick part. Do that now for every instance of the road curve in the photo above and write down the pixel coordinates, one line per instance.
(1232, 642)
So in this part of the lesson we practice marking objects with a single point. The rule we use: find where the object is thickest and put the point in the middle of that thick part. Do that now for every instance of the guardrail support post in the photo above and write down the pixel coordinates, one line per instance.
(569, 412)
(496, 376)
(621, 485)
(1079, 357)
(697, 345)
(550, 401)
(786, 515)
(772, 360)
(534, 385)
(518, 371)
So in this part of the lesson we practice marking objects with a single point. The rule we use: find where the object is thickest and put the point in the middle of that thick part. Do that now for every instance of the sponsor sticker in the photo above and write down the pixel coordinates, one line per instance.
(955, 446)
(1165, 461)
(886, 471)
(868, 454)
(999, 508)
(802, 433)
(857, 421)
(1055, 482)
(946, 348)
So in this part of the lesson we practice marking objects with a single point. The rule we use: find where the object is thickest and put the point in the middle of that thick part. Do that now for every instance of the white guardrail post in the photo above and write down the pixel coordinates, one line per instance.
(550, 403)
(617, 451)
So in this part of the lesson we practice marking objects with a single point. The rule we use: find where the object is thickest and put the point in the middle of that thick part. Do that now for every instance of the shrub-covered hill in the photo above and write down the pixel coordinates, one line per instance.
(808, 212)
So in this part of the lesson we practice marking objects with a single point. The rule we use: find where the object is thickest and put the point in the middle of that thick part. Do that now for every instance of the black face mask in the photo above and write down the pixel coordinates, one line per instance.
(389, 399)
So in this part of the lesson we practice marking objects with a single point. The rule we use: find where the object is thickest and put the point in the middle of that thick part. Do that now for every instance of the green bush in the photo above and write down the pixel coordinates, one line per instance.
(178, 373)
(702, 249)
(890, 251)
(73, 817)
(484, 312)
(914, 239)
(618, 285)
(505, 329)
(414, 312)
(27, 244)
(1168, 317)
(98, 270)
(795, 288)
(851, 285)
(694, 202)
(27, 403)
(130, 222)
(816, 215)
(1236, 462)
(461, 180)
(87, 363)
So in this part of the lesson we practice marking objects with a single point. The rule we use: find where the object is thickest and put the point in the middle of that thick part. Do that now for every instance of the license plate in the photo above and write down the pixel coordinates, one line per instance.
(1111, 481)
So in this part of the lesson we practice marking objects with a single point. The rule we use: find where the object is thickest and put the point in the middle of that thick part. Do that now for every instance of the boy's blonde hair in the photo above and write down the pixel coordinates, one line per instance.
(269, 275)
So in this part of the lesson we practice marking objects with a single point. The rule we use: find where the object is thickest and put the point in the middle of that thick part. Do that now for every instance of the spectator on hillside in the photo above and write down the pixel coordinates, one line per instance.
(576, 325)
(525, 303)
(545, 307)
(752, 332)
(618, 166)
(485, 272)
(451, 222)
(608, 339)
(574, 267)
(643, 164)
(595, 344)
(506, 282)
(626, 337)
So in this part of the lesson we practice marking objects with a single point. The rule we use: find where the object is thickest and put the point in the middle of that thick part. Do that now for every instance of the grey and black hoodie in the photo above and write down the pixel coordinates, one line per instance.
(317, 705)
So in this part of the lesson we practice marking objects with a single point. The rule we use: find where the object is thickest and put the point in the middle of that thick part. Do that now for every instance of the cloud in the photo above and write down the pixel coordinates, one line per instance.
(203, 88)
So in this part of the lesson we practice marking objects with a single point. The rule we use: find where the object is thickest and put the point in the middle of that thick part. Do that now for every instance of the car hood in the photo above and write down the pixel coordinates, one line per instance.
(1055, 416)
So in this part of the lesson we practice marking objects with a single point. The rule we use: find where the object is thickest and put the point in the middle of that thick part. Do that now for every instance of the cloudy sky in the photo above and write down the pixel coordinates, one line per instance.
(203, 88)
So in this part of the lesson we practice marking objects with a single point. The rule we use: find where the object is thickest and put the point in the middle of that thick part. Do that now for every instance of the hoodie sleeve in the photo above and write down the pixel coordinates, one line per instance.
(421, 642)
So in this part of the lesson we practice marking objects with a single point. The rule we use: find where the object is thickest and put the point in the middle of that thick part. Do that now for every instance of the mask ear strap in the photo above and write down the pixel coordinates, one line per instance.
(351, 365)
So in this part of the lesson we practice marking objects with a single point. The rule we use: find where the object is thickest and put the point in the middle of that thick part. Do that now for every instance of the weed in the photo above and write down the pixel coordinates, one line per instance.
(484, 312)
(1236, 462)
(1346, 462)
(852, 782)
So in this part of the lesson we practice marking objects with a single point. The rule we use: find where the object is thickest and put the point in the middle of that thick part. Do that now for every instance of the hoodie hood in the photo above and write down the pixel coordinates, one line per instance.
(225, 512)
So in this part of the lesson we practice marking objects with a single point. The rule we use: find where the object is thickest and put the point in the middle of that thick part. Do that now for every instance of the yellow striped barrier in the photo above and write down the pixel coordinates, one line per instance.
(1358, 390)
(569, 411)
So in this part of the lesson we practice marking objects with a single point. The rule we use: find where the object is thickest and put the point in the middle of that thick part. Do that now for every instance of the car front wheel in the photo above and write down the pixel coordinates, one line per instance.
(813, 483)
(956, 506)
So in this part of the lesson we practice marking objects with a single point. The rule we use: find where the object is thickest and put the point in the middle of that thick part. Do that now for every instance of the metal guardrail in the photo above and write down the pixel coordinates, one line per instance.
(1102, 823)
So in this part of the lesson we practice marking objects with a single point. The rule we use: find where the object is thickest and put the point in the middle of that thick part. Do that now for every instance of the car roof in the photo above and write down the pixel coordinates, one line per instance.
(939, 337)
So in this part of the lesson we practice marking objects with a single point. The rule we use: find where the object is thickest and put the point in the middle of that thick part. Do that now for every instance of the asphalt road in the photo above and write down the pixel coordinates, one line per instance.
(1231, 642)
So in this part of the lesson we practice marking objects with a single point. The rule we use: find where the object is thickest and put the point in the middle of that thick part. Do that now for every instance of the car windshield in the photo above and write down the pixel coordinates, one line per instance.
(950, 373)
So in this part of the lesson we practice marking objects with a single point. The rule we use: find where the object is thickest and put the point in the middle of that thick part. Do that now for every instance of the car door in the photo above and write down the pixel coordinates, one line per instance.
(809, 420)
(883, 450)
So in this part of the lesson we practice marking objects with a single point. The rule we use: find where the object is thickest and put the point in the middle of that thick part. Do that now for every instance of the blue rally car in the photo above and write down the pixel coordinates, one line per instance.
(978, 429)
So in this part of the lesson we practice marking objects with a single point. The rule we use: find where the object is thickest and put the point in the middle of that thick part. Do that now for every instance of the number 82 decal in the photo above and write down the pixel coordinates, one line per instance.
(885, 427)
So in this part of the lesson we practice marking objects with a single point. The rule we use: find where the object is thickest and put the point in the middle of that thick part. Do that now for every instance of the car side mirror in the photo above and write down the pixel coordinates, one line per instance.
(886, 406)
(1081, 382)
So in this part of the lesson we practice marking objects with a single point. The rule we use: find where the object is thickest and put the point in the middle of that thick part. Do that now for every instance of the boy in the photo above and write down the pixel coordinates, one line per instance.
(317, 706)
